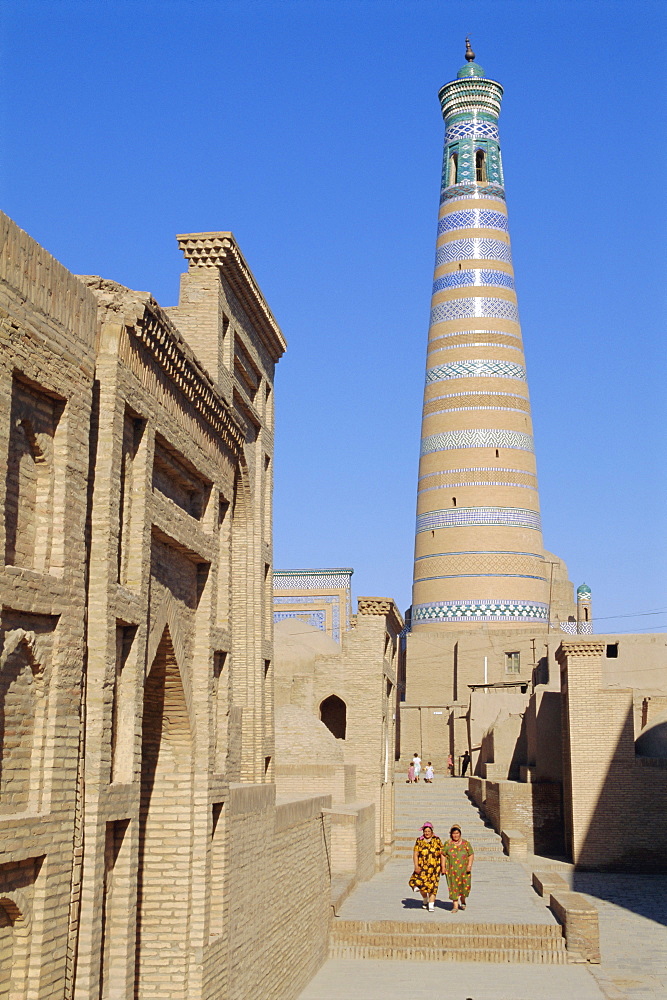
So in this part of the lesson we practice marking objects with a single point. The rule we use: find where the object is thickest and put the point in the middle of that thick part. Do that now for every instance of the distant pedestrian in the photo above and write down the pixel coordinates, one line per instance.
(458, 858)
(429, 865)
(464, 763)
(428, 774)
(450, 765)
(411, 774)
(417, 764)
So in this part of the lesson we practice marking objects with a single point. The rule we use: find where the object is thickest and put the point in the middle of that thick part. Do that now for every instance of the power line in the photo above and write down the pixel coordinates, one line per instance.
(555, 623)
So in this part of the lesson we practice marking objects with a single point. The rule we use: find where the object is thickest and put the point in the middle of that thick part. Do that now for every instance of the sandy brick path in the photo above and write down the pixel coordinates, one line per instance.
(501, 893)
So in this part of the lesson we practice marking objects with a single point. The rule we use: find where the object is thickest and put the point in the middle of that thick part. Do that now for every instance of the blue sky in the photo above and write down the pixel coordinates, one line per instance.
(312, 131)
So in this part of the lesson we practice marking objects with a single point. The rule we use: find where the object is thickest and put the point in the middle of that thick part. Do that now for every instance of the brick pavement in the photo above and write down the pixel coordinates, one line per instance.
(632, 913)
(372, 979)
(501, 893)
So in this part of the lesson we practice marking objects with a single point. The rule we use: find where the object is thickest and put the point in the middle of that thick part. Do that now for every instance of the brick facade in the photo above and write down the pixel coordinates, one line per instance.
(142, 850)
(613, 799)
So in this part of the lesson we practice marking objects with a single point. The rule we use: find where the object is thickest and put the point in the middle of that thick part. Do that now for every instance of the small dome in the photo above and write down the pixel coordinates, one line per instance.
(652, 741)
(583, 590)
(470, 69)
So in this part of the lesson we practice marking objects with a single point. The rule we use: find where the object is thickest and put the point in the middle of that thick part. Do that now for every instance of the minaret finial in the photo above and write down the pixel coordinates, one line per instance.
(470, 55)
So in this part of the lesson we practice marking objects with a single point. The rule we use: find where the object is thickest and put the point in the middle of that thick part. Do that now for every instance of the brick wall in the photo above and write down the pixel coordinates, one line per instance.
(137, 598)
(531, 808)
(607, 790)
(48, 327)
(279, 887)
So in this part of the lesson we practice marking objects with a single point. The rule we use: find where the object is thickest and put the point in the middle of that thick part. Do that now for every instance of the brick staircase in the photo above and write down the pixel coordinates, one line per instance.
(444, 802)
(363, 930)
(538, 943)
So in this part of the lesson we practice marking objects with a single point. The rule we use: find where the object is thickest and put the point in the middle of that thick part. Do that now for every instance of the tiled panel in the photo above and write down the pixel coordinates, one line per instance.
(477, 343)
(468, 191)
(477, 400)
(470, 308)
(452, 564)
(473, 276)
(483, 552)
(444, 408)
(499, 336)
(476, 368)
(479, 437)
(465, 517)
(315, 618)
(474, 248)
(473, 127)
(483, 611)
(477, 476)
(577, 628)
(332, 600)
(295, 580)
(467, 576)
(473, 218)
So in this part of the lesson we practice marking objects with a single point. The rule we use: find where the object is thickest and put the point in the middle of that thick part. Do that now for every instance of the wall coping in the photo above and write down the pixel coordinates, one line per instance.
(220, 250)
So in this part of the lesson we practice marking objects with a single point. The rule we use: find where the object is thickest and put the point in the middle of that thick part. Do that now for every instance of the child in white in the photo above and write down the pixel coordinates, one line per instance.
(428, 776)
(417, 764)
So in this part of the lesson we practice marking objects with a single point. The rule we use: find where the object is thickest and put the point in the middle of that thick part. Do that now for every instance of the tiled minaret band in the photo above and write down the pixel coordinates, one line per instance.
(478, 549)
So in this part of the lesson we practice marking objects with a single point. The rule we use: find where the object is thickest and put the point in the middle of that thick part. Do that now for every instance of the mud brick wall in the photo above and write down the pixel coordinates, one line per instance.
(48, 331)
(606, 787)
(280, 909)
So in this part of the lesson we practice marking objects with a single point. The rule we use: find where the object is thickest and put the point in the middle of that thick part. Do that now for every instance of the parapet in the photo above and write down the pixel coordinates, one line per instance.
(222, 251)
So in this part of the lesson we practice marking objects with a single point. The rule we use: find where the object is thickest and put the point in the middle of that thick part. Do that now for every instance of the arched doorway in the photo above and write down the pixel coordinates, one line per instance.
(6, 952)
(164, 832)
(333, 713)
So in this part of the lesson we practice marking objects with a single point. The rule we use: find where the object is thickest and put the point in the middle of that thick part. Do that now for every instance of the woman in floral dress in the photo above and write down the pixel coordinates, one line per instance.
(429, 864)
(457, 855)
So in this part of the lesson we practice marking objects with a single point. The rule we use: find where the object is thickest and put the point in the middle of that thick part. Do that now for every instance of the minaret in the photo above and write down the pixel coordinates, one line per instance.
(584, 610)
(478, 548)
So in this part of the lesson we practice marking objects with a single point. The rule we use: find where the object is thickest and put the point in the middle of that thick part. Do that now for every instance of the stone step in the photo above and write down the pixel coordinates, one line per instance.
(479, 847)
(481, 851)
(468, 953)
(492, 858)
(538, 943)
(481, 836)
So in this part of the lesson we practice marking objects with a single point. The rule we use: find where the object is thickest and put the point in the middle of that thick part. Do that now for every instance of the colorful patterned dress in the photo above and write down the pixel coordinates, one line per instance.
(428, 855)
(456, 859)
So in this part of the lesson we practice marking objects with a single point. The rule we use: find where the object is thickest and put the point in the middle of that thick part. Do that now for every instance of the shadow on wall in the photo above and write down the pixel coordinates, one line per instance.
(626, 829)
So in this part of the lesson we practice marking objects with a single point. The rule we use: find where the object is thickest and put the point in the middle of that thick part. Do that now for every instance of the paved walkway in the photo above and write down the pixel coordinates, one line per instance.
(632, 912)
(371, 979)
(501, 893)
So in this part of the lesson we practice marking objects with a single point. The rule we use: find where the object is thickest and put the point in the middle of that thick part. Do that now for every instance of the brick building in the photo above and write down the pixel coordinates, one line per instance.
(140, 834)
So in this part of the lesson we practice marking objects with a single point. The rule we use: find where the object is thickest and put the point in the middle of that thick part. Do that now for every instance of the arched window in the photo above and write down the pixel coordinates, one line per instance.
(453, 168)
(333, 713)
(480, 165)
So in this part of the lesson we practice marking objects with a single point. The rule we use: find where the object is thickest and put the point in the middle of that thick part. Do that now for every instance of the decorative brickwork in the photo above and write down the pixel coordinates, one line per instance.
(136, 661)
(478, 502)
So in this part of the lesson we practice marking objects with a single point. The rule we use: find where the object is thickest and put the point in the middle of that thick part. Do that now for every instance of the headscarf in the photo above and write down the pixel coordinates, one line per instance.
(424, 825)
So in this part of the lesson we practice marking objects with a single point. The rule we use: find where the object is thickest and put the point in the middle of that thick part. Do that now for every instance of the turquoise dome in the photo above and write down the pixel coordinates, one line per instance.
(584, 590)
(470, 69)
